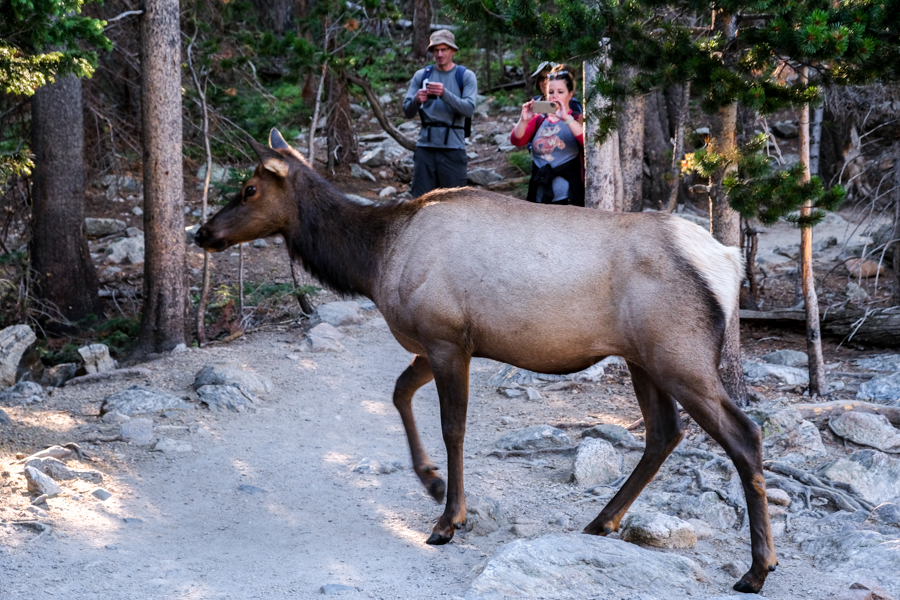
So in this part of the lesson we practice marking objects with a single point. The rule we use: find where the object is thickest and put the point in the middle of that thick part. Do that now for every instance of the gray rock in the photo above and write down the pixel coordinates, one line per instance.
(866, 429)
(24, 392)
(359, 199)
(217, 174)
(778, 497)
(596, 463)
(884, 389)
(786, 435)
(875, 474)
(373, 158)
(614, 434)
(886, 513)
(888, 363)
(260, 243)
(101, 227)
(484, 515)
(357, 111)
(135, 232)
(574, 566)
(57, 375)
(226, 397)
(138, 431)
(142, 399)
(115, 418)
(251, 489)
(367, 466)
(509, 375)
(14, 341)
(222, 374)
(658, 529)
(787, 358)
(39, 483)
(101, 494)
(137, 211)
(758, 372)
(4, 418)
(324, 338)
(360, 173)
(702, 529)
(171, 446)
(125, 251)
(785, 129)
(96, 358)
(536, 437)
(709, 507)
(483, 176)
(501, 139)
(855, 292)
(387, 192)
(340, 313)
(57, 469)
(533, 394)
(386, 99)
(332, 589)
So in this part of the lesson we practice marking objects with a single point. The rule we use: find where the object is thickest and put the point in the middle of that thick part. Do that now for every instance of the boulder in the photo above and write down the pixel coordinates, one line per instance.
(888, 363)
(142, 399)
(125, 251)
(886, 513)
(658, 529)
(786, 435)
(96, 358)
(709, 507)
(787, 358)
(101, 227)
(39, 483)
(614, 434)
(374, 158)
(360, 173)
(483, 176)
(340, 313)
(24, 392)
(596, 463)
(867, 429)
(575, 566)
(884, 389)
(785, 129)
(223, 374)
(57, 469)
(484, 515)
(779, 374)
(225, 397)
(14, 341)
(59, 374)
(875, 474)
(536, 437)
(137, 431)
(324, 338)
(260, 243)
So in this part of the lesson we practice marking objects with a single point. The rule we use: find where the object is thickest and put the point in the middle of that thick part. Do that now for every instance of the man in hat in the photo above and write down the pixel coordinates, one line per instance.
(444, 97)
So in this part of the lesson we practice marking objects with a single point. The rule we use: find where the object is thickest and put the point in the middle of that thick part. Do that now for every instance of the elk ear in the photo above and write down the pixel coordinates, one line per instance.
(263, 152)
(276, 165)
(276, 141)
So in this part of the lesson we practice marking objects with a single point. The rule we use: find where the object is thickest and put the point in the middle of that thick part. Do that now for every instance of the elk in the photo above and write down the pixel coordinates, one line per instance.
(463, 272)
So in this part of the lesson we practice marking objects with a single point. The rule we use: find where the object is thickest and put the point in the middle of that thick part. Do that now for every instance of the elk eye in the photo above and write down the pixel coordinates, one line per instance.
(249, 191)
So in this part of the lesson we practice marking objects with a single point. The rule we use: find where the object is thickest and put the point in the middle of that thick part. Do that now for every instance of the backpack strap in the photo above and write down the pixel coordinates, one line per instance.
(428, 123)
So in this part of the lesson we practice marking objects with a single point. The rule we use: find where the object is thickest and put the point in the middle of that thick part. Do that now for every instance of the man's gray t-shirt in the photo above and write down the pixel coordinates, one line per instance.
(453, 107)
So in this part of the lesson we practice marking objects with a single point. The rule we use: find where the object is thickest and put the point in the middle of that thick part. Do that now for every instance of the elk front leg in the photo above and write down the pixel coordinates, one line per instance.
(417, 374)
(450, 366)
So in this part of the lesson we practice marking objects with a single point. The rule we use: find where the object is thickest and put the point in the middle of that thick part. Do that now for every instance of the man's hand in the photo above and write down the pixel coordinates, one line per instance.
(421, 96)
(435, 89)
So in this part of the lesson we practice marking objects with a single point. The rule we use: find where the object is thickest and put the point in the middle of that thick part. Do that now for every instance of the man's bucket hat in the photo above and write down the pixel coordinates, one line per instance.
(442, 36)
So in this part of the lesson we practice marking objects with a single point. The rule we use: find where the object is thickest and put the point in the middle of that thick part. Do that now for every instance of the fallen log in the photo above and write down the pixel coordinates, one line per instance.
(110, 375)
(874, 327)
(812, 412)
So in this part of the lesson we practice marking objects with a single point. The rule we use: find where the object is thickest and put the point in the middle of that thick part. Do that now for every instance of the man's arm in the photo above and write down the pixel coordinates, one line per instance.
(410, 104)
(466, 104)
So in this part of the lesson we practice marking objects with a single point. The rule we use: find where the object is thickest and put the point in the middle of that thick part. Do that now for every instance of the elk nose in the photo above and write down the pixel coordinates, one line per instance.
(202, 236)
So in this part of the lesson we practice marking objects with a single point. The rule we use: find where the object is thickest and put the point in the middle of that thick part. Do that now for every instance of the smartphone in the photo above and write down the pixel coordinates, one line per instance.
(543, 107)
(425, 83)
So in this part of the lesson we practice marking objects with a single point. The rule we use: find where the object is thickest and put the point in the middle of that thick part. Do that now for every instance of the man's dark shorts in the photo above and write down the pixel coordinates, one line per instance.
(438, 168)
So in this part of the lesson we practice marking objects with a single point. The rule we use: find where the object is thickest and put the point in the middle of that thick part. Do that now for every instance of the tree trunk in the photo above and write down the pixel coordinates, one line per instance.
(275, 15)
(421, 28)
(813, 328)
(342, 146)
(603, 169)
(631, 151)
(164, 314)
(656, 145)
(678, 152)
(896, 237)
(64, 273)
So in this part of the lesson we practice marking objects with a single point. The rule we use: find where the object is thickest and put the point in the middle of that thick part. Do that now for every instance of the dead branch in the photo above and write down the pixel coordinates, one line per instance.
(379, 111)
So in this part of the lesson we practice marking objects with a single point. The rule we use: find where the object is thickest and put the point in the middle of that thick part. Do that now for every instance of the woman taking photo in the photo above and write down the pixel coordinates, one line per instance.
(557, 145)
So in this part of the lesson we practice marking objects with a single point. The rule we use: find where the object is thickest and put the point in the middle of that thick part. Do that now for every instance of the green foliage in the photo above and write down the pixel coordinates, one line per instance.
(521, 161)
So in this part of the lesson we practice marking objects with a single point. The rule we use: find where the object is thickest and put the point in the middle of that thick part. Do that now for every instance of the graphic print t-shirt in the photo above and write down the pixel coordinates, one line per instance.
(554, 145)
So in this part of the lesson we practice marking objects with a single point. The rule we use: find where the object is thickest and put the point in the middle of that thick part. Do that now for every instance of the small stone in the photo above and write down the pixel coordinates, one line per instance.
(373, 158)
(133, 520)
(778, 497)
(360, 173)
(756, 372)
(137, 431)
(4, 418)
(38, 512)
(134, 232)
(39, 483)
(115, 417)
(735, 569)
(785, 129)
(42, 499)
(886, 513)
(171, 446)
(483, 177)
(101, 494)
(248, 381)
(884, 389)
(101, 227)
(536, 437)
(332, 589)
(137, 211)
(260, 243)
(340, 313)
(533, 394)
(387, 192)
(226, 397)
(596, 463)
(96, 358)
(867, 430)
(702, 529)
(59, 374)
(614, 434)
(125, 251)
(483, 515)
(660, 530)
(787, 358)
(367, 466)
(24, 392)
(251, 489)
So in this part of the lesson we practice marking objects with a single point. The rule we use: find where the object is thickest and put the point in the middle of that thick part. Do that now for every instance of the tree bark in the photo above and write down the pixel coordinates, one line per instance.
(631, 152)
(656, 144)
(342, 146)
(421, 28)
(64, 273)
(895, 196)
(275, 15)
(817, 381)
(678, 152)
(164, 314)
(603, 169)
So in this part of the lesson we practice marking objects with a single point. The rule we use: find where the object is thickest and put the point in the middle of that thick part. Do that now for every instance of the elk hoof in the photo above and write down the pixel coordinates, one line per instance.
(438, 539)
(772, 567)
(746, 588)
(436, 489)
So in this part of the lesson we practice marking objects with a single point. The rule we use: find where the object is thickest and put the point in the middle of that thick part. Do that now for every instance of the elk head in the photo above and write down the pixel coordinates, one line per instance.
(265, 205)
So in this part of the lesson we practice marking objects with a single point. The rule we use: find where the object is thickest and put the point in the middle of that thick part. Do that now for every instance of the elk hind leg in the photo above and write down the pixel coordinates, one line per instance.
(664, 432)
(417, 374)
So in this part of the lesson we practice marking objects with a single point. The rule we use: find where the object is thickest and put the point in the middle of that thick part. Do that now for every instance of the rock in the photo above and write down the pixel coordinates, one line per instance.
(335, 588)
(509, 375)
(14, 341)
(221, 374)
(226, 397)
(483, 176)
(484, 515)
(138, 431)
(96, 358)
(864, 268)
(574, 566)
(889, 363)
(24, 392)
(386, 99)
(874, 474)
(533, 394)
(59, 374)
(171, 446)
(787, 436)
(359, 199)
(758, 372)
(735, 569)
(886, 513)
(115, 417)
(127, 250)
(596, 463)
(260, 243)
(785, 129)
(53, 451)
(340, 313)
(884, 389)
(251, 489)
(856, 293)
(373, 158)
(536, 437)
(55, 468)
(709, 507)
(501, 139)
(614, 434)
(787, 358)
(39, 483)
(367, 466)
(4, 418)
(142, 399)
(135, 232)
(357, 171)
(387, 192)
(660, 530)
(777, 497)
(867, 430)
(137, 211)
(101, 227)
(703, 530)
(357, 111)
(217, 173)
(101, 494)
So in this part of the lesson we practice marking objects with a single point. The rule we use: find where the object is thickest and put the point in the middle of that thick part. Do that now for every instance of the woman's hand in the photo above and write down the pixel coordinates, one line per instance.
(562, 112)
(527, 112)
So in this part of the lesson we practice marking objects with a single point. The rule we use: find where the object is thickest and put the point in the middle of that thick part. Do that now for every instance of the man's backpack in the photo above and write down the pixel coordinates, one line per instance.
(460, 72)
